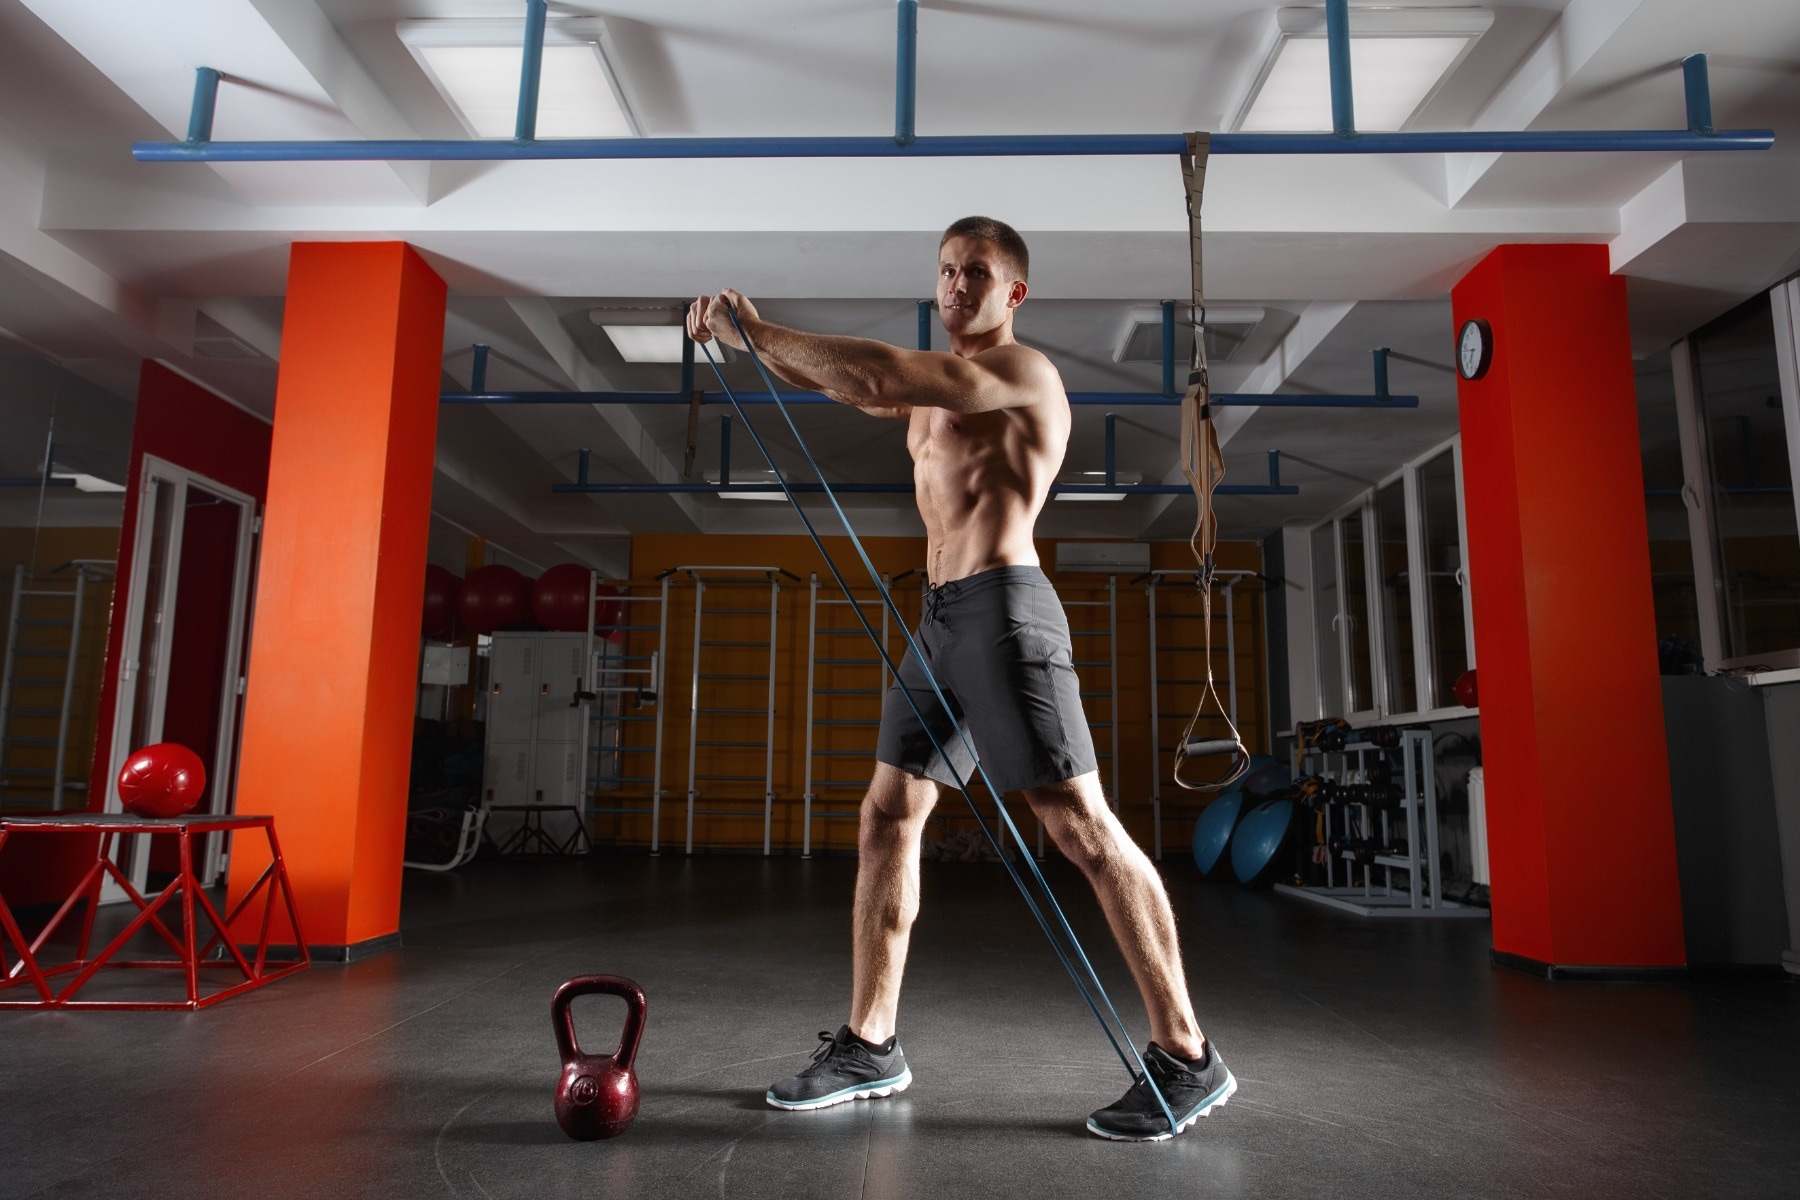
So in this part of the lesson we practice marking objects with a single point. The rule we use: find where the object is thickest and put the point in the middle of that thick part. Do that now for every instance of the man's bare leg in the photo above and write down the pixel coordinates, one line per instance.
(887, 895)
(1131, 894)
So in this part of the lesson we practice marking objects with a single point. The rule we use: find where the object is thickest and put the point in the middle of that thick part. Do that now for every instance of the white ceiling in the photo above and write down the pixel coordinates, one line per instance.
(104, 261)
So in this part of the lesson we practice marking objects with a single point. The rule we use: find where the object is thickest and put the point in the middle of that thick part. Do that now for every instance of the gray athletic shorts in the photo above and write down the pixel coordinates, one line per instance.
(998, 645)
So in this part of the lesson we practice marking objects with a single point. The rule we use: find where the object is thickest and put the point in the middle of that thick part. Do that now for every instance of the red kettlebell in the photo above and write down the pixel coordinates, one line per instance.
(597, 1096)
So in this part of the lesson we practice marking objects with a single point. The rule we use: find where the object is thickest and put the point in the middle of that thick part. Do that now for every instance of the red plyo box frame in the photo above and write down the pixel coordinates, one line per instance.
(190, 957)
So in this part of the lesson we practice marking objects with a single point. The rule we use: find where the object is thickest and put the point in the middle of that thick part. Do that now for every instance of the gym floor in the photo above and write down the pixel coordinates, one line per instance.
(1374, 1058)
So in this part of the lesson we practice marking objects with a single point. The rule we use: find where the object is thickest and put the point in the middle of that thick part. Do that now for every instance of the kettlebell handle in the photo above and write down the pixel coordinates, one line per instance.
(562, 1020)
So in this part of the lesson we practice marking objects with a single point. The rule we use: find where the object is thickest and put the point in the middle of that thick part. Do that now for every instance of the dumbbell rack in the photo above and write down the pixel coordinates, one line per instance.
(1421, 890)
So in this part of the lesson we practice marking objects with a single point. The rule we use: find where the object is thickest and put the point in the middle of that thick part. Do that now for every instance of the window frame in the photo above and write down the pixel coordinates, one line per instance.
(1696, 486)
(1430, 705)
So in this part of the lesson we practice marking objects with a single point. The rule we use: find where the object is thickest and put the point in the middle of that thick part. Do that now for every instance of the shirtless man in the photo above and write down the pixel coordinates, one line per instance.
(987, 427)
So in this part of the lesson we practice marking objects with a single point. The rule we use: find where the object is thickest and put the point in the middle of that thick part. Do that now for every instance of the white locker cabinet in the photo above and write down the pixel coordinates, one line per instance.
(560, 662)
(506, 773)
(556, 774)
(512, 687)
(536, 741)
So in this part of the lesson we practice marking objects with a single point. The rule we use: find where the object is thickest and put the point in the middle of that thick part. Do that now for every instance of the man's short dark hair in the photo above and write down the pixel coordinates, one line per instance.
(1004, 236)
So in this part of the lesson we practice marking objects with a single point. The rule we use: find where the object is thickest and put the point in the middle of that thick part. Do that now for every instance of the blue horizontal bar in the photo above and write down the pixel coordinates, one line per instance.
(1079, 399)
(906, 489)
(1678, 141)
(34, 481)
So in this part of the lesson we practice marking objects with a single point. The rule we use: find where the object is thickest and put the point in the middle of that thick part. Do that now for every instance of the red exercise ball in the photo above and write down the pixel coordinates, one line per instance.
(495, 597)
(164, 780)
(438, 619)
(1465, 689)
(559, 598)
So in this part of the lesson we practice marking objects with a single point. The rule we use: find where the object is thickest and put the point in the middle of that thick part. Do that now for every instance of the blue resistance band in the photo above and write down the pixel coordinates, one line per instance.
(1081, 985)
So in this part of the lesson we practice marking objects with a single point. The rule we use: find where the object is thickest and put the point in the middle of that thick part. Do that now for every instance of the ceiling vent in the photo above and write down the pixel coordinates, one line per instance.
(1227, 329)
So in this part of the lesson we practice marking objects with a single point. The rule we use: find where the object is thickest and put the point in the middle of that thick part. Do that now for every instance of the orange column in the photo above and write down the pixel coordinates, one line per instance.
(1581, 832)
(334, 657)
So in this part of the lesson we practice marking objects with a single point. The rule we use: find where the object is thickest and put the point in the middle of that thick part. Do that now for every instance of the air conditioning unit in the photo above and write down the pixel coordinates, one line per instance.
(1104, 558)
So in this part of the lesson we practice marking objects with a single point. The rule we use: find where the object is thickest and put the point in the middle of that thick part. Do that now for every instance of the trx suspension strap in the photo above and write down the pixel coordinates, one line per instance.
(1038, 897)
(1204, 466)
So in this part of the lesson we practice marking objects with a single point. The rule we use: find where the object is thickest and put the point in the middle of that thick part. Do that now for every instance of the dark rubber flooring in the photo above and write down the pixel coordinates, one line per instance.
(1375, 1058)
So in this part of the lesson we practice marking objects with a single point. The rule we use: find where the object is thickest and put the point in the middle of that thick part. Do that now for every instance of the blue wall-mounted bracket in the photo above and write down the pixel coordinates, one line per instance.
(206, 99)
(531, 70)
(478, 369)
(1699, 94)
(1168, 347)
(1337, 49)
(906, 72)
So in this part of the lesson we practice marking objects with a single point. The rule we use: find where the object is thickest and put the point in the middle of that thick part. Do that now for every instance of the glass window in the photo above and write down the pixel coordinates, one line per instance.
(1330, 666)
(1756, 541)
(1671, 555)
(1360, 695)
(1396, 599)
(1442, 539)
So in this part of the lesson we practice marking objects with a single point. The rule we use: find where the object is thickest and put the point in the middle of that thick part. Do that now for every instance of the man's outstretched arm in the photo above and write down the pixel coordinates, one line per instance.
(880, 379)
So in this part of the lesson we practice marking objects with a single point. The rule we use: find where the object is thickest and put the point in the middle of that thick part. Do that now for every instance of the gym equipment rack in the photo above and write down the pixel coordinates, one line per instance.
(1423, 889)
(624, 679)
(731, 651)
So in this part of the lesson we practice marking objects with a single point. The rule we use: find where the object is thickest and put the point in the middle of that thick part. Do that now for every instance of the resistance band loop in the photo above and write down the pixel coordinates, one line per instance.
(1204, 465)
(1031, 902)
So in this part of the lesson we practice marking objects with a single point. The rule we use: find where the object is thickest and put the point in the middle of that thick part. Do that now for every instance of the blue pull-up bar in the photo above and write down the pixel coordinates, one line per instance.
(1343, 139)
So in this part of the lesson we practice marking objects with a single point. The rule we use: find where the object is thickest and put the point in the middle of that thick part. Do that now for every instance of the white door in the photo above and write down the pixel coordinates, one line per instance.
(193, 546)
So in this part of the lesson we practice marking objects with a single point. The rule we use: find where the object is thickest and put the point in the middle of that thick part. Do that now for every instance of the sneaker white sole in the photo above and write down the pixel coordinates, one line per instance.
(885, 1088)
(1217, 1100)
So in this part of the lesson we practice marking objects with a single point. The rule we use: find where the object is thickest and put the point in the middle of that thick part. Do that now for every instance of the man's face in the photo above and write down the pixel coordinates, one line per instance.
(974, 289)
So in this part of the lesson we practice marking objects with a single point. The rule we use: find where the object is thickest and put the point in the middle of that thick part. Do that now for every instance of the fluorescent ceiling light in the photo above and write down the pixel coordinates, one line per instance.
(1095, 479)
(647, 343)
(765, 477)
(1399, 57)
(85, 482)
(475, 64)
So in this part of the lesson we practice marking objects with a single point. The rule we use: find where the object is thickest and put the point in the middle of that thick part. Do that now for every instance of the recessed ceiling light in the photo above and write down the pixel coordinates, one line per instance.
(647, 343)
(1399, 57)
(475, 64)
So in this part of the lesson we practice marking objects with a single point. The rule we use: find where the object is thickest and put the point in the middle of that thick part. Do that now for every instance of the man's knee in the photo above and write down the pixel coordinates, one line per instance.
(1075, 816)
(896, 797)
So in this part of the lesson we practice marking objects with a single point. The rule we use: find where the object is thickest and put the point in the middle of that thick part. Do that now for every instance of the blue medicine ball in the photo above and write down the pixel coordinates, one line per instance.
(1213, 829)
(1262, 836)
(1265, 782)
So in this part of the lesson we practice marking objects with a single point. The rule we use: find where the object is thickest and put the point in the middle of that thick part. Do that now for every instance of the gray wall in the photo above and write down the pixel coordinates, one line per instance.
(1727, 842)
(1781, 711)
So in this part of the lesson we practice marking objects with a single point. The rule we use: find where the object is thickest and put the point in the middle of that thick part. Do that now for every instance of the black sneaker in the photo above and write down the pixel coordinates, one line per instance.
(1191, 1092)
(843, 1069)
